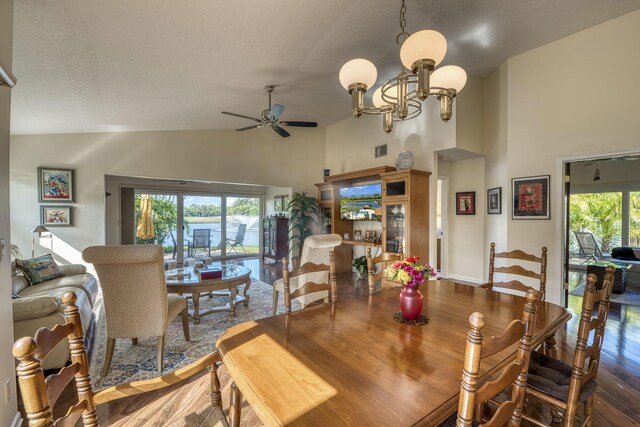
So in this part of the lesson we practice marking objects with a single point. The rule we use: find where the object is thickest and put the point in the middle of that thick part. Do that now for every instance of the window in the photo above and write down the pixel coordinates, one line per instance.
(599, 214)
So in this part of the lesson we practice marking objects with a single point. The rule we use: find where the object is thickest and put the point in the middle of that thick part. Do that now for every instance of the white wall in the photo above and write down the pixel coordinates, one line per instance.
(7, 372)
(576, 96)
(466, 232)
(256, 157)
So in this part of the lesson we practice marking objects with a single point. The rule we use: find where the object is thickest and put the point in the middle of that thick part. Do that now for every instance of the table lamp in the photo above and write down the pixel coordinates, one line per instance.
(39, 231)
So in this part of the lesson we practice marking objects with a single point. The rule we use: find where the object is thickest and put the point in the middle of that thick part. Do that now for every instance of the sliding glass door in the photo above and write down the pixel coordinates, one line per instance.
(242, 225)
(202, 233)
(156, 220)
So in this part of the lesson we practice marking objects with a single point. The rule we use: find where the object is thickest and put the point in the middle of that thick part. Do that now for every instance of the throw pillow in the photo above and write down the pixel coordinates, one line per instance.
(39, 269)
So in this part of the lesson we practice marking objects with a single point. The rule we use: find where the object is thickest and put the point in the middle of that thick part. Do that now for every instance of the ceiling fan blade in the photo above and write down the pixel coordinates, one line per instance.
(240, 115)
(300, 124)
(247, 128)
(276, 111)
(283, 133)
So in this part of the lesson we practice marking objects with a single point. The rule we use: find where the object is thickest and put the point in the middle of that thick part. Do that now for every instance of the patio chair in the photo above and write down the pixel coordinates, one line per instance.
(589, 246)
(201, 240)
(239, 239)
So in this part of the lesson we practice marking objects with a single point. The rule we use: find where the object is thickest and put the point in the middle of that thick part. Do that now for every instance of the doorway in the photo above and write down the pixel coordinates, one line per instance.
(442, 226)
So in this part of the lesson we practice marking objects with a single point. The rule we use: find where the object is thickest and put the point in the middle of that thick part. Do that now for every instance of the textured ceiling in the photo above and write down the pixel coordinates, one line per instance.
(116, 65)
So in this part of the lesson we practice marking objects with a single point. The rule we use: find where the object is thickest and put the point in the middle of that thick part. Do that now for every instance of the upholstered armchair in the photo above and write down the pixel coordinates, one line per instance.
(135, 296)
(316, 249)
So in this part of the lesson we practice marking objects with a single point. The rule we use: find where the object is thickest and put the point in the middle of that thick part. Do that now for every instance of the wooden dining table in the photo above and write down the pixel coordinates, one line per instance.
(350, 363)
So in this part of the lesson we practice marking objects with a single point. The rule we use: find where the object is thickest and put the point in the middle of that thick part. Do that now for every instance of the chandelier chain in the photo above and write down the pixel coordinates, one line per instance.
(403, 23)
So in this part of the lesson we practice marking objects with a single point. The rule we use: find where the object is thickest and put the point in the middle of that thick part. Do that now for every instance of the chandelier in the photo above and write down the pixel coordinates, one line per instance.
(399, 98)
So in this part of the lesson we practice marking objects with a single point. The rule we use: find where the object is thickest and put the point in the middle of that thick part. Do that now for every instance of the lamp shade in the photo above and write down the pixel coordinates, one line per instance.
(40, 230)
(449, 77)
(358, 71)
(377, 99)
(425, 44)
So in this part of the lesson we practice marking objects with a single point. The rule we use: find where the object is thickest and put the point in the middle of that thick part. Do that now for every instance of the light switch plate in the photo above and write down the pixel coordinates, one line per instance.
(1, 249)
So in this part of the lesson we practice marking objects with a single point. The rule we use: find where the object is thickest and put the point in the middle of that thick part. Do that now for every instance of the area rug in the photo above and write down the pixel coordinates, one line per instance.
(629, 297)
(137, 362)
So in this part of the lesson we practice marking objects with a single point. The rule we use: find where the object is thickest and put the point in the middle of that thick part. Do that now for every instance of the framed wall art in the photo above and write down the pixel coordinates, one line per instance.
(494, 200)
(56, 215)
(56, 185)
(531, 197)
(466, 203)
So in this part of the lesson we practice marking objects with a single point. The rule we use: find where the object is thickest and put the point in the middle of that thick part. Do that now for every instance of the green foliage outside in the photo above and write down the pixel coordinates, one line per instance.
(165, 217)
(244, 207)
(601, 214)
(200, 211)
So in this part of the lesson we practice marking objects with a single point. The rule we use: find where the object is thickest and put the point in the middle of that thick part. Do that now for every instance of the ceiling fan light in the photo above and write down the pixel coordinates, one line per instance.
(449, 77)
(425, 44)
(358, 71)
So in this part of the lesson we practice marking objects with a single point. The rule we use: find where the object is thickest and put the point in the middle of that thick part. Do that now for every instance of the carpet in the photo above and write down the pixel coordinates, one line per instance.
(138, 362)
(629, 297)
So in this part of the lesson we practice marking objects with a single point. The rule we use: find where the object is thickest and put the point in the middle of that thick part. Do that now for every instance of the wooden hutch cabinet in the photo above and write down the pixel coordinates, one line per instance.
(405, 212)
(276, 238)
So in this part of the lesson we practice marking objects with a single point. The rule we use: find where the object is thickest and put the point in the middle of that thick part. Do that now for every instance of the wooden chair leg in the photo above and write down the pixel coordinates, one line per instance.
(134, 341)
(185, 324)
(108, 356)
(588, 412)
(274, 308)
(235, 406)
(160, 352)
(216, 395)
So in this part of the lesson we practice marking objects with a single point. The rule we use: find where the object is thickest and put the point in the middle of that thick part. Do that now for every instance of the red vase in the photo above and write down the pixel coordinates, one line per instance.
(411, 302)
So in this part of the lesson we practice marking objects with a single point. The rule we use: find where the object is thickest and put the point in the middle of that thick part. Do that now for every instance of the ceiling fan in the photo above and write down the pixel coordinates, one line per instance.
(271, 118)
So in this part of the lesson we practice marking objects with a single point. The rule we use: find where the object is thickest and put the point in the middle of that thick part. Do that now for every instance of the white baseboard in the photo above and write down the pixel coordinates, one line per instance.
(466, 279)
(17, 420)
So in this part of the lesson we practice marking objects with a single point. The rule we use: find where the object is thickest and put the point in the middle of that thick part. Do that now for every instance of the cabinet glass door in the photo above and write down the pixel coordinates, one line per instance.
(325, 220)
(395, 231)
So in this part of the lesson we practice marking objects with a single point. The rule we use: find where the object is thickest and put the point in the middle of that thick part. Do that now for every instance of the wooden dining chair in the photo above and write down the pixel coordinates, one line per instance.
(518, 270)
(562, 386)
(39, 395)
(384, 259)
(308, 288)
(472, 399)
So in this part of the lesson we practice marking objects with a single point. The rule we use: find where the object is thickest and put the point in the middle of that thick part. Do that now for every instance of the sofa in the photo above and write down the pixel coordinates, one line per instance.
(36, 306)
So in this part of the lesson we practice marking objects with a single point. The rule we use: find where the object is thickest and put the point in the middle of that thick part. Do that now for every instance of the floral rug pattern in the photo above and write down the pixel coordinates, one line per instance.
(137, 362)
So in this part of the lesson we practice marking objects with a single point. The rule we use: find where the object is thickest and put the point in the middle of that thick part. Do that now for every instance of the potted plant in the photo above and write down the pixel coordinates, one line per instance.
(360, 266)
(303, 211)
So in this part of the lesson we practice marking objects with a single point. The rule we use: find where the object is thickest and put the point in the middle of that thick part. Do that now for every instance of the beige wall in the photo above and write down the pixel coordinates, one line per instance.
(256, 157)
(559, 105)
(496, 164)
(466, 232)
(470, 116)
(7, 372)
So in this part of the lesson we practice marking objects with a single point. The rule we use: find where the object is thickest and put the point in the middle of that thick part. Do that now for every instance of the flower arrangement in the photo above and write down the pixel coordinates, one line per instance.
(410, 272)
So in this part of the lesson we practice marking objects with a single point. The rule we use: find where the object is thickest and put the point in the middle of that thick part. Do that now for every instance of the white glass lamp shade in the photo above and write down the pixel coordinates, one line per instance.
(358, 71)
(449, 77)
(425, 44)
(377, 100)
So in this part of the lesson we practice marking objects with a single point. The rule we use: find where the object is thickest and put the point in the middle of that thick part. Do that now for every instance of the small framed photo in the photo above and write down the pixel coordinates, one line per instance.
(370, 236)
(357, 235)
(56, 185)
(277, 203)
(494, 201)
(466, 203)
(56, 215)
(531, 197)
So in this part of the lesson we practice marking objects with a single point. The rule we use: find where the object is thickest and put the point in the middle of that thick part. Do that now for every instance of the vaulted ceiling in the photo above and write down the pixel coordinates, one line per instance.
(118, 65)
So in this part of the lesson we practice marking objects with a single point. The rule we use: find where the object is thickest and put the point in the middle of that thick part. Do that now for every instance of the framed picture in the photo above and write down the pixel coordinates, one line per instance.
(466, 203)
(56, 185)
(531, 197)
(277, 203)
(357, 234)
(56, 215)
(370, 236)
(494, 201)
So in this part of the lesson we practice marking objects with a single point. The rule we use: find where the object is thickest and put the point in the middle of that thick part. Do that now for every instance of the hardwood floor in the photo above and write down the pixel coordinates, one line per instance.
(617, 399)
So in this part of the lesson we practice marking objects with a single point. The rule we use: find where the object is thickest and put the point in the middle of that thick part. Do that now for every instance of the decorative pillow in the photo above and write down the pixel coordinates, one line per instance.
(39, 269)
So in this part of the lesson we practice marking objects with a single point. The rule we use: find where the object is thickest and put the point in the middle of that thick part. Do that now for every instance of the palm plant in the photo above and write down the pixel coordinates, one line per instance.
(600, 214)
(303, 213)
